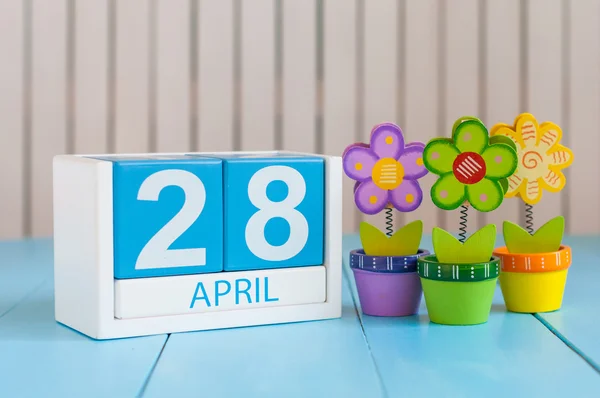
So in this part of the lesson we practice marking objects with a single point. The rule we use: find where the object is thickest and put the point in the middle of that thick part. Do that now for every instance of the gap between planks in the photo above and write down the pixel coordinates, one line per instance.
(567, 342)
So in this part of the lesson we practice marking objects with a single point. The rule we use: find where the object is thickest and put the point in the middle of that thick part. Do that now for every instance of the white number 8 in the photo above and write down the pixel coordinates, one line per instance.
(286, 209)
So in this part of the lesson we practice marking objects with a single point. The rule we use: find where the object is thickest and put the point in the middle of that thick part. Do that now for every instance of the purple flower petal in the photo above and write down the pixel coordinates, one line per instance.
(358, 162)
(387, 141)
(407, 197)
(369, 198)
(412, 161)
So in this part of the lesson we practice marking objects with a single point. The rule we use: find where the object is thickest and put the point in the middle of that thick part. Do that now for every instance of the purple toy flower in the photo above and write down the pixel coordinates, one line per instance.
(386, 171)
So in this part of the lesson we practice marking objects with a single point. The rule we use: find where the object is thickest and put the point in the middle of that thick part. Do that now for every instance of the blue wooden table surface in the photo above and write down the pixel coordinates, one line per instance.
(520, 355)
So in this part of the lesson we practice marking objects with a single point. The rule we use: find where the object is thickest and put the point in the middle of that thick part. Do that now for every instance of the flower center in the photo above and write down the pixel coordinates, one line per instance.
(388, 173)
(469, 168)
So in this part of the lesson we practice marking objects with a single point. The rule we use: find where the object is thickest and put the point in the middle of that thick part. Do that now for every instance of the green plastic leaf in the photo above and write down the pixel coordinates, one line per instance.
(404, 242)
(546, 239)
(477, 248)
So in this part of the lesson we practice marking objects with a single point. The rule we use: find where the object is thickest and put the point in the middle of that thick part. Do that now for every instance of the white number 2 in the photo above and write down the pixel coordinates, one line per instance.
(156, 253)
(286, 209)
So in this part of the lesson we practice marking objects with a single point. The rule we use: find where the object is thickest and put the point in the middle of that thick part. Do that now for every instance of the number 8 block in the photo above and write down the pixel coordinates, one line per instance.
(273, 211)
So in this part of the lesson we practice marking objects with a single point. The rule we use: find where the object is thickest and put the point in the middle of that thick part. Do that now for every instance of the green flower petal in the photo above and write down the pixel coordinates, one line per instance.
(504, 183)
(471, 136)
(448, 193)
(486, 195)
(502, 139)
(500, 161)
(463, 119)
(439, 155)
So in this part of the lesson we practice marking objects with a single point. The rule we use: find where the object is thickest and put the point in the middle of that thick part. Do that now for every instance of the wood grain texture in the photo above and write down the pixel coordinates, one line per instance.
(49, 106)
(503, 84)
(91, 77)
(258, 75)
(299, 75)
(12, 109)
(582, 191)
(215, 75)
(380, 68)
(132, 76)
(422, 92)
(339, 92)
(461, 81)
(544, 88)
(172, 75)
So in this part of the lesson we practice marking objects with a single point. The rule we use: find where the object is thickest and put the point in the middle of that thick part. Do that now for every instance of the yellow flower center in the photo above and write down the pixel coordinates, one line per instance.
(388, 173)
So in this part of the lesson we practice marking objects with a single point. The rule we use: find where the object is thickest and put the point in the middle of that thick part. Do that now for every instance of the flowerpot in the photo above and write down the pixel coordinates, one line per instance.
(458, 294)
(387, 286)
(533, 282)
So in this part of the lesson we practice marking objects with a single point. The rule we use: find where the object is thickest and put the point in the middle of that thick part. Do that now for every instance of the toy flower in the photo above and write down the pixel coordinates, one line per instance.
(540, 157)
(471, 167)
(386, 171)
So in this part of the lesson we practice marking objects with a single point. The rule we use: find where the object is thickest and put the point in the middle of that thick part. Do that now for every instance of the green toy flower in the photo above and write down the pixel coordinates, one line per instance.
(472, 166)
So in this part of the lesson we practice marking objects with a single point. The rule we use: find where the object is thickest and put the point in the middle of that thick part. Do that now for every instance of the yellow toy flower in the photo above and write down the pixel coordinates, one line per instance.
(540, 154)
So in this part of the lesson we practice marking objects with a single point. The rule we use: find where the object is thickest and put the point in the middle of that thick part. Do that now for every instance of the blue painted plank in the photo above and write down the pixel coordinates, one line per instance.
(39, 357)
(510, 355)
(578, 321)
(24, 266)
(308, 359)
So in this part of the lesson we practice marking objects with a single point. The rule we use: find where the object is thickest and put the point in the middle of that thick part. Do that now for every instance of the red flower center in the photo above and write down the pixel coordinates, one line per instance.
(469, 168)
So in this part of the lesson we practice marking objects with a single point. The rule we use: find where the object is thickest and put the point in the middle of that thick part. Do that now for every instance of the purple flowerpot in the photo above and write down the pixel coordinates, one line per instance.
(387, 286)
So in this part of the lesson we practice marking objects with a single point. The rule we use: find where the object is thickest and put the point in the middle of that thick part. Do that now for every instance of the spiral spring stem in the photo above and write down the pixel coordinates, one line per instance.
(463, 224)
(529, 218)
(389, 221)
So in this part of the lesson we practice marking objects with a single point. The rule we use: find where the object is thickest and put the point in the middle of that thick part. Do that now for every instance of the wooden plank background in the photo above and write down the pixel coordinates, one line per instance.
(156, 75)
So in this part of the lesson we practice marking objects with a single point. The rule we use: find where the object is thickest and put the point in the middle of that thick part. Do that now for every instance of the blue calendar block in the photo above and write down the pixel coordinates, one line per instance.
(168, 215)
(274, 211)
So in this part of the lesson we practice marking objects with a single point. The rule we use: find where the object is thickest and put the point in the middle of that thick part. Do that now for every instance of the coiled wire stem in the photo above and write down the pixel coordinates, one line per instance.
(529, 218)
(389, 221)
(463, 224)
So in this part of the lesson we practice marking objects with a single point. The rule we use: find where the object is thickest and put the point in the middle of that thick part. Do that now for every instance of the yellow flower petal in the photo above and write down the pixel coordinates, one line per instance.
(529, 130)
(560, 156)
(507, 131)
(550, 135)
(515, 183)
(553, 180)
(531, 192)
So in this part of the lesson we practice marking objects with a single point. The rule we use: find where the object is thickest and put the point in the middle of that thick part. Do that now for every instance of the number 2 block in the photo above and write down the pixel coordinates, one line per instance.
(274, 211)
(167, 216)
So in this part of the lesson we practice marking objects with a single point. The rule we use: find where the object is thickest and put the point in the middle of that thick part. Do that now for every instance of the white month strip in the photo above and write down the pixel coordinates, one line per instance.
(221, 291)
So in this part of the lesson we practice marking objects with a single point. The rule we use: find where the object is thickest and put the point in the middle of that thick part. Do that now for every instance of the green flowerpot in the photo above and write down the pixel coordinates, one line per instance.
(458, 294)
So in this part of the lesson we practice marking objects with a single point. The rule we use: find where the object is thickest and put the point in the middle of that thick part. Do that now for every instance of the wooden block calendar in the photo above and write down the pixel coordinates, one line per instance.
(173, 242)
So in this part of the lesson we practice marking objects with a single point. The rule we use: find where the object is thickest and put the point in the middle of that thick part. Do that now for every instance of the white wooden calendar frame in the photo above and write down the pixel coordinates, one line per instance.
(83, 257)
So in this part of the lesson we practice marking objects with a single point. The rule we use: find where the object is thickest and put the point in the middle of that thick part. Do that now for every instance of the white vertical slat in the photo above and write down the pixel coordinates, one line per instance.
(11, 119)
(462, 76)
(339, 91)
(258, 75)
(421, 93)
(91, 73)
(299, 72)
(132, 76)
(581, 134)
(215, 75)
(173, 76)
(544, 77)
(48, 125)
(380, 75)
(502, 85)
